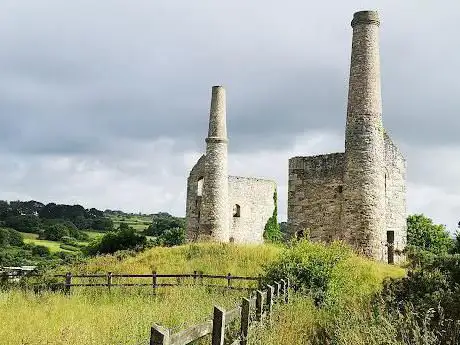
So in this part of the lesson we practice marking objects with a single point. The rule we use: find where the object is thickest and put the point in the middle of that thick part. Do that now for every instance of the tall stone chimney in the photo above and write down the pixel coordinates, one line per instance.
(363, 217)
(215, 211)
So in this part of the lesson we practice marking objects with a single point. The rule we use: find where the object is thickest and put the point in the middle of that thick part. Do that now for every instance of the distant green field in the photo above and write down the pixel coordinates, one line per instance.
(52, 245)
(29, 236)
(139, 223)
(93, 234)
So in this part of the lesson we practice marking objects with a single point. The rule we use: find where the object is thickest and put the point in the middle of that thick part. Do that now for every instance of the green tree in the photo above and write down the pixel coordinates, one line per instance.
(163, 222)
(55, 232)
(102, 224)
(10, 237)
(40, 250)
(172, 237)
(25, 223)
(114, 241)
(423, 234)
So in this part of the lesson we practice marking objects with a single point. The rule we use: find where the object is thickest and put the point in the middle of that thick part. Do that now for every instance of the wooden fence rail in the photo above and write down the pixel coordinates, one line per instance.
(197, 277)
(251, 312)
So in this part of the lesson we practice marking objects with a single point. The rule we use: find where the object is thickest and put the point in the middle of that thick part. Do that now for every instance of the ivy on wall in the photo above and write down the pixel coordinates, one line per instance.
(272, 232)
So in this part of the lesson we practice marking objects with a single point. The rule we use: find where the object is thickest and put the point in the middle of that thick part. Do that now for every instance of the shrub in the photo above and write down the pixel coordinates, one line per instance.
(172, 237)
(309, 267)
(69, 241)
(114, 241)
(55, 232)
(10, 237)
(69, 247)
(40, 250)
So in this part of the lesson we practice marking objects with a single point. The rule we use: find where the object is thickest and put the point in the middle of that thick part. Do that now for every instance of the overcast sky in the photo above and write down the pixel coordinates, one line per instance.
(105, 103)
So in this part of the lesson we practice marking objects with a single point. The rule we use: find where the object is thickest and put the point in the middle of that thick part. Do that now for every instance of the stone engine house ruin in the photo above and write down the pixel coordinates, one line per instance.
(219, 207)
(358, 196)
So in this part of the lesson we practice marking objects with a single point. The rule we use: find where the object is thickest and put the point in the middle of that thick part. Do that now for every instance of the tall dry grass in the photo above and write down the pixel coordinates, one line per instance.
(91, 316)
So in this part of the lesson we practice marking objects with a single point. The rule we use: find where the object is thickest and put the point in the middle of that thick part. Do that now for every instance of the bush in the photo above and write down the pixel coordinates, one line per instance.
(55, 232)
(114, 241)
(163, 222)
(172, 237)
(309, 267)
(69, 247)
(69, 241)
(10, 237)
(40, 250)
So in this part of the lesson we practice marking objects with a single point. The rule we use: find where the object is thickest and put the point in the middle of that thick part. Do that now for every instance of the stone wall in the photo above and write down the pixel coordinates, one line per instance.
(253, 196)
(255, 200)
(395, 196)
(315, 195)
(193, 202)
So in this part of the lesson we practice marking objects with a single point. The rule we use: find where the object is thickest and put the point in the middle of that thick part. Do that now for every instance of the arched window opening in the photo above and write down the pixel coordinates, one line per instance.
(199, 190)
(340, 189)
(236, 210)
(232, 240)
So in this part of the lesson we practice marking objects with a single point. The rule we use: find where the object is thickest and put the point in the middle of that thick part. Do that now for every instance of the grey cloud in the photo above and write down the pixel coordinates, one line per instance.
(145, 72)
(105, 81)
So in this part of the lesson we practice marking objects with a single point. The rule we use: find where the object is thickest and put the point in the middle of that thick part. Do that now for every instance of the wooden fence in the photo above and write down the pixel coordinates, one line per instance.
(192, 279)
(251, 312)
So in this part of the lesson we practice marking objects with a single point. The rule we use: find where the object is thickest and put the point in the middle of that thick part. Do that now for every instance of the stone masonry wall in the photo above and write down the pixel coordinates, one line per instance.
(193, 202)
(255, 199)
(315, 195)
(395, 196)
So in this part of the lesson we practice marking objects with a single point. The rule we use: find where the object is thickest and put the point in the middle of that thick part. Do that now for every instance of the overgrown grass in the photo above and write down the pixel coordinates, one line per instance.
(124, 316)
(334, 290)
(210, 258)
(95, 317)
(343, 282)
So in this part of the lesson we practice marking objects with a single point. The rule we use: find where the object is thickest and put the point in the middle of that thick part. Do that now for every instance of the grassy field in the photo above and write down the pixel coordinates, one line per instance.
(93, 234)
(52, 245)
(124, 316)
(93, 316)
(139, 223)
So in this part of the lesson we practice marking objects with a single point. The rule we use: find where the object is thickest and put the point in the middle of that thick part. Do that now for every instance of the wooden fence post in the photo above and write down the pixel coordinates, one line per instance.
(270, 291)
(259, 305)
(154, 282)
(68, 282)
(159, 335)
(286, 296)
(229, 280)
(244, 322)
(283, 290)
(201, 277)
(218, 326)
(278, 290)
(109, 280)
(194, 277)
(275, 292)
